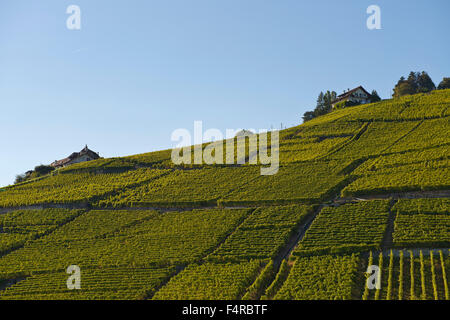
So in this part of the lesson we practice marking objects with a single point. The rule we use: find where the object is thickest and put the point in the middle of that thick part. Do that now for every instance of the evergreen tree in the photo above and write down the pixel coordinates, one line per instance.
(412, 80)
(320, 106)
(328, 99)
(424, 82)
(324, 102)
(374, 97)
(323, 105)
(445, 84)
(403, 88)
(417, 82)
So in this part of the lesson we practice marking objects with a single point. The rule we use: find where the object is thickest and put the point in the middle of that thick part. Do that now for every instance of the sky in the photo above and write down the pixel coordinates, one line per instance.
(138, 70)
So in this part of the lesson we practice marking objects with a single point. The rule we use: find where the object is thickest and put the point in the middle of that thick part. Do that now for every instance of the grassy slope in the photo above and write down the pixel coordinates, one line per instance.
(391, 146)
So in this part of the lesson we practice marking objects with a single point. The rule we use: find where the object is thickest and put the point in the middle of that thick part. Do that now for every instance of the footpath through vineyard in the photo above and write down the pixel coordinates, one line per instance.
(285, 257)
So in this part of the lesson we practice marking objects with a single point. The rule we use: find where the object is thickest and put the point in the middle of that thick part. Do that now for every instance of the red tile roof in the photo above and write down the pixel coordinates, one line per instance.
(75, 155)
(347, 94)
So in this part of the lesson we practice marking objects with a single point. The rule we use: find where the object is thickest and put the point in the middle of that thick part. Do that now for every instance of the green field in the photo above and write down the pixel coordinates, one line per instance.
(422, 223)
(321, 277)
(407, 275)
(350, 227)
(353, 183)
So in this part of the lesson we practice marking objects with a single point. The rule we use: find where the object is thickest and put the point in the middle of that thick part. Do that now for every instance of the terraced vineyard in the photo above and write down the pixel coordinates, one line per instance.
(350, 227)
(18, 227)
(263, 234)
(422, 223)
(297, 183)
(142, 239)
(408, 275)
(211, 281)
(184, 188)
(78, 187)
(352, 187)
(311, 279)
(100, 283)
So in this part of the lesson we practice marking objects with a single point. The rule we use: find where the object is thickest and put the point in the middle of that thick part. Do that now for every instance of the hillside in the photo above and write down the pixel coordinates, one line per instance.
(362, 185)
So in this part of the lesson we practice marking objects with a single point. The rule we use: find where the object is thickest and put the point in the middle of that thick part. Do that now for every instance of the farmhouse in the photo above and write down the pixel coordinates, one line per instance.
(84, 155)
(358, 95)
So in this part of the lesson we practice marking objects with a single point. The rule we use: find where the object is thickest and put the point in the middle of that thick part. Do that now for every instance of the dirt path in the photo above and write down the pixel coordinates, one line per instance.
(398, 195)
(415, 251)
(338, 201)
(387, 239)
(356, 137)
(83, 206)
(297, 237)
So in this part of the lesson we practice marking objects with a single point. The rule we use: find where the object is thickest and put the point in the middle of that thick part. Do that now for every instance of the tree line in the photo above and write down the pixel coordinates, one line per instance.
(38, 171)
(417, 82)
(324, 104)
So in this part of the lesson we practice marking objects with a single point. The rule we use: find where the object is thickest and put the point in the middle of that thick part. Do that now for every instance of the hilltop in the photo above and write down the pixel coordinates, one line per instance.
(352, 185)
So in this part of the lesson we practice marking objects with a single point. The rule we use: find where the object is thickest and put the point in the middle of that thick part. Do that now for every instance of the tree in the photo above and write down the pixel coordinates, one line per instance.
(328, 99)
(403, 88)
(416, 82)
(320, 106)
(412, 80)
(424, 82)
(308, 115)
(20, 178)
(323, 105)
(445, 84)
(42, 170)
(38, 171)
(374, 97)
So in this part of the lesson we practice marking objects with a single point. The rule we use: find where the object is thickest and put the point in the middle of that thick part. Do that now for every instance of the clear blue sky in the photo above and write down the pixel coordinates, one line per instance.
(137, 70)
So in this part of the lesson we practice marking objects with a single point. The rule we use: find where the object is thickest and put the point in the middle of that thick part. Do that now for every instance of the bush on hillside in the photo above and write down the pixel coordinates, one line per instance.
(42, 170)
(39, 171)
(417, 82)
(445, 84)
